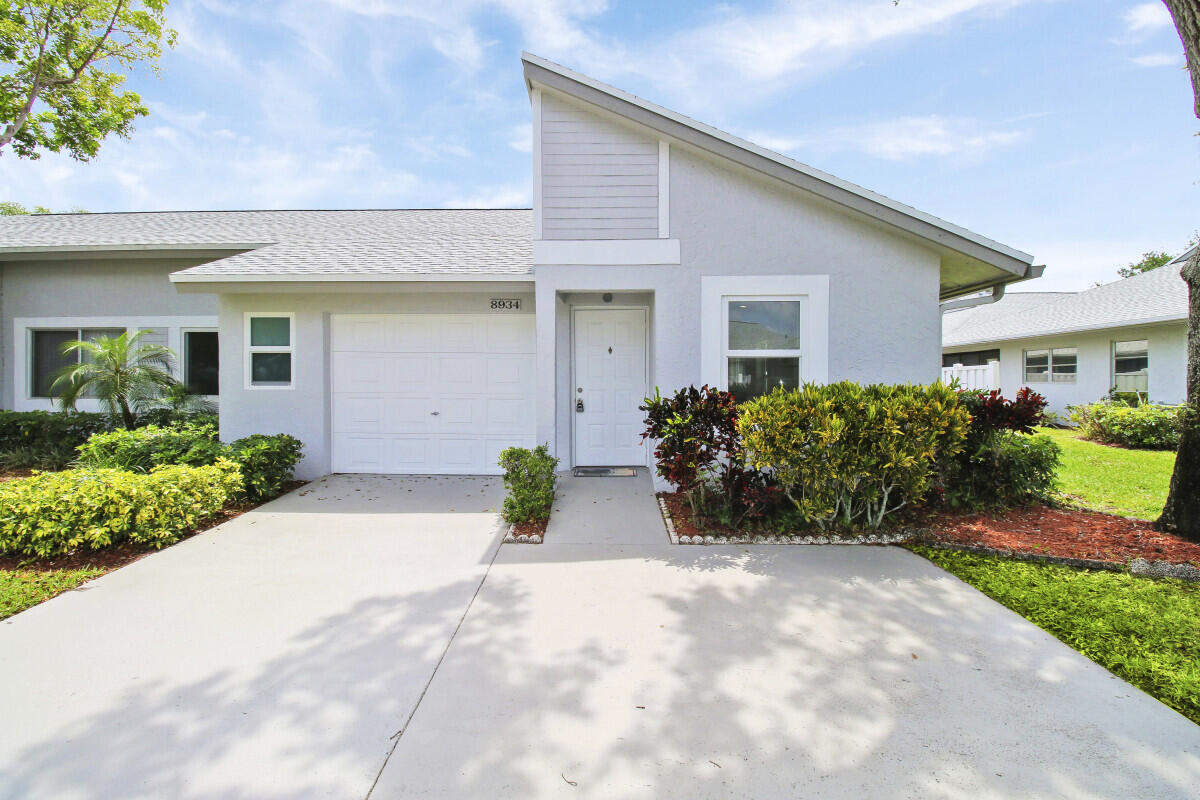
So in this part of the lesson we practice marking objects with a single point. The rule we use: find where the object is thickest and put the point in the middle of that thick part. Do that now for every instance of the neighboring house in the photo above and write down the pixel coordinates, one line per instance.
(659, 252)
(1075, 347)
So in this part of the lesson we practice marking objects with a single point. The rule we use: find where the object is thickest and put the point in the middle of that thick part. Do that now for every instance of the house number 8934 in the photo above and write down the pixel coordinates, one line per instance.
(505, 304)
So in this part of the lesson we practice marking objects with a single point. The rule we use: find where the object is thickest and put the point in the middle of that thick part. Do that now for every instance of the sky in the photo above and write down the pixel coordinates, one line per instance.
(1061, 128)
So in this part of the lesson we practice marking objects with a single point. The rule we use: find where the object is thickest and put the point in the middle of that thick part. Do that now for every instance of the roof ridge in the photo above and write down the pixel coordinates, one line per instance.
(255, 211)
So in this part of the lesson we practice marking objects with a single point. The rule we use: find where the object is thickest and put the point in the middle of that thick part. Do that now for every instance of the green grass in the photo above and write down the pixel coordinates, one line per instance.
(1130, 483)
(20, 589)
(1143, 630)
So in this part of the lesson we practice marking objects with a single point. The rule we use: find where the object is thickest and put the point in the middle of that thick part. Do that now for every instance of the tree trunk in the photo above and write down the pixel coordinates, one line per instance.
(127, 415)
(1181, 514)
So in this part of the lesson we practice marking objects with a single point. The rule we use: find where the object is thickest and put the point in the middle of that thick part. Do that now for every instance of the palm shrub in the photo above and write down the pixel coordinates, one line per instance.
(849, 454)
(122, 372)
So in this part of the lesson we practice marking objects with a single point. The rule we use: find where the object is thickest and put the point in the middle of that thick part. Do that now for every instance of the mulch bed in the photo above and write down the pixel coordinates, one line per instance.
(1061, 532)
(531, 529)
(681, 518)
(115, 557)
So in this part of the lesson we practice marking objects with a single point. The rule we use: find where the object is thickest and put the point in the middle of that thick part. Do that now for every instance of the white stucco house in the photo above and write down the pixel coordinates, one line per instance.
(659, 252)
(1075, 347)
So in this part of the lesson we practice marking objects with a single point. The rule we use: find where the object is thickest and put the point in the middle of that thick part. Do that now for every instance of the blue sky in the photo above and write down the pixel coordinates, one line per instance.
(1060, 128)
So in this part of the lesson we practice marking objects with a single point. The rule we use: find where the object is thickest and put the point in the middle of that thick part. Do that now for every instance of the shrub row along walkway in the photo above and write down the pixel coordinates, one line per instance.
(288, 652)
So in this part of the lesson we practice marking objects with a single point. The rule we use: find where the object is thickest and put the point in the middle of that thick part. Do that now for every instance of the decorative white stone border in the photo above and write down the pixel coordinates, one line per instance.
(868, 538)
(511, 538)
(670, 523)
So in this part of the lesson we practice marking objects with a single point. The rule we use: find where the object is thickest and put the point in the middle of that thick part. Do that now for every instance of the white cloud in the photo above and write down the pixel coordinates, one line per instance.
(902, 138)
(521, 138)
(1146, 17)
(507, 196)
(1158, 60)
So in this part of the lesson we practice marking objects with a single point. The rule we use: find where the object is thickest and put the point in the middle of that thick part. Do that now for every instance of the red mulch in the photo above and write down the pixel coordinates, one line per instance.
(1062, 532)
(531, 529)
(681, 517)
(111, 558)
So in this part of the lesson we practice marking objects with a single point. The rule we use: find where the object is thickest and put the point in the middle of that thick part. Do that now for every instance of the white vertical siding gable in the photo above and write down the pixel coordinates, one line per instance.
(599, 179)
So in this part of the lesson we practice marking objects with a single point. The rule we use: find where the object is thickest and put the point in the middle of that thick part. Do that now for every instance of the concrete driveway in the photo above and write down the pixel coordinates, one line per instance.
(272, 657)
(283, 655)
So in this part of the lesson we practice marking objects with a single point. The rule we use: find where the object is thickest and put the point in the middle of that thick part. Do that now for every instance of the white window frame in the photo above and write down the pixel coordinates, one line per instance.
(1112, 362)
(1073, 376)
(716, 291)
(728, 353)
(183, 357)
(21, 369)
(249, 350)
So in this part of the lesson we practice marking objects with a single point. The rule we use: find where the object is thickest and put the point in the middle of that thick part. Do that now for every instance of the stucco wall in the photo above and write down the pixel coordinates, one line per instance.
(883, 298)
(1168, 364)
(304, 410)
(136, 288)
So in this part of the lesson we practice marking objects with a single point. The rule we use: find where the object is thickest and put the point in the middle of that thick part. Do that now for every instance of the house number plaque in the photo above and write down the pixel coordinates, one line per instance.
(505, 304)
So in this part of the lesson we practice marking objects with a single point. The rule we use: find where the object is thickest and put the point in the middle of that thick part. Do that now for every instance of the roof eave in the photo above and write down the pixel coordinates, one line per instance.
(538, 70)
(1072, 329)
(148, 250)
(185, 276)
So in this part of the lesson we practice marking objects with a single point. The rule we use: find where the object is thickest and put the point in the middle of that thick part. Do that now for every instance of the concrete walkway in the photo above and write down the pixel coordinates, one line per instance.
(271, 657)
(606, 511)
(370, 627)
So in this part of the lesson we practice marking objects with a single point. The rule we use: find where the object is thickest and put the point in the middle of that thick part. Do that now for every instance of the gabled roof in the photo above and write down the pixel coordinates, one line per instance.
(299, 245)
(1152, 297)
(969, 261)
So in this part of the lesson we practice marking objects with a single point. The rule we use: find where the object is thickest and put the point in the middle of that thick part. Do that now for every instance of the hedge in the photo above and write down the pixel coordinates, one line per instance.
(849, 454)
(89, 509)
(1150, 425)
(529, 478)
(49, 439)
(267, 462)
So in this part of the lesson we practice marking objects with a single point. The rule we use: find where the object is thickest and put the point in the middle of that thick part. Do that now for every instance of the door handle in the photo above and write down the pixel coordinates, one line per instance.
(434, 413)
(579, 406)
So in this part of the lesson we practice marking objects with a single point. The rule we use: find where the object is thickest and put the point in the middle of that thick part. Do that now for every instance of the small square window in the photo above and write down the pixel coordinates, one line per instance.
(269, 351)
(764, 324)
(1037, 366)
(753, 377)
(270, 369)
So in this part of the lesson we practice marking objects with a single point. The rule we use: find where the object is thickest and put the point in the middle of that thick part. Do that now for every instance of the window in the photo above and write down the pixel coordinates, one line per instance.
(1058, 365)
(47, 355)
(201, 362)
(762, 345)
(974, 358)
(1131, 366)
(269, 351)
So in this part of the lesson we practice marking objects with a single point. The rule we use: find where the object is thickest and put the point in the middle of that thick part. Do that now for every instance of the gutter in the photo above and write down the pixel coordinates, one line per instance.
(972, 302)
(1031, 271)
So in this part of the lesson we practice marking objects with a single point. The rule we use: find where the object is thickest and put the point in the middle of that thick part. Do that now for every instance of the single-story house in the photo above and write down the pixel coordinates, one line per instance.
(659, 252)
(1076, 347)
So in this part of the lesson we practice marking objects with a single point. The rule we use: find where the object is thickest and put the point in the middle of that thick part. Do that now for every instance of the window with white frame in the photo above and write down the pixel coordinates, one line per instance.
(269, 351)
(46, 354)
(1051, 365)
(201, 362)
(763, 344)
(1131, 366)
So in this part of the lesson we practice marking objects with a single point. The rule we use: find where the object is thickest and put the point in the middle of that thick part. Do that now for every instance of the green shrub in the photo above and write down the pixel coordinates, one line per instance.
(529, 478)
(46, 439)
(1150, 425)
(143, 449)
(90, 509)
(267, 463)
(1007, 469)
(850, 454)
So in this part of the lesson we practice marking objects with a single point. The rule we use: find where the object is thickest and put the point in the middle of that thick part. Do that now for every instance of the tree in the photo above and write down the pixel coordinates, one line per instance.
(11, 208)
(1150, 260)
(1181, 514)
(61, 90)
(120, 371)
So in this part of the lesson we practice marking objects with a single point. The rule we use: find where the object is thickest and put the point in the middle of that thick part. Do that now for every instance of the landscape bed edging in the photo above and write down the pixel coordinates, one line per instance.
(512, 537)
(789, 539)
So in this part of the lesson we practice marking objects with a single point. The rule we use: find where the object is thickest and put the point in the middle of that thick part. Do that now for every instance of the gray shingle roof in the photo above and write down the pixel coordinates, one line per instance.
(1154, 296)
(303, 243)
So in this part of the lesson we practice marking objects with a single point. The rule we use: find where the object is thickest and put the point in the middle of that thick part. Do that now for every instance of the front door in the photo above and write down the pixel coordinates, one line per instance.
(610, 384)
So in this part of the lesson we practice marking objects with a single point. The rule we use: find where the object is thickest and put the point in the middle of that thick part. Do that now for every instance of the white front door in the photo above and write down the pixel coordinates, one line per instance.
(610, 384)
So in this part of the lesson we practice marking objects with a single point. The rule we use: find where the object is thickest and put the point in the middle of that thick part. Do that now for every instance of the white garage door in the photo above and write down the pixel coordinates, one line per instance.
(429, 393)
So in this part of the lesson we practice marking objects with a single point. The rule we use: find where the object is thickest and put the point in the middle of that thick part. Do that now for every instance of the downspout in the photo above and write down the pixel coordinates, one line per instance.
(1032, 271)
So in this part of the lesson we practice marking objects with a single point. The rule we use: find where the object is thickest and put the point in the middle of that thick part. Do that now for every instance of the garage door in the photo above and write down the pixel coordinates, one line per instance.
(425, 393)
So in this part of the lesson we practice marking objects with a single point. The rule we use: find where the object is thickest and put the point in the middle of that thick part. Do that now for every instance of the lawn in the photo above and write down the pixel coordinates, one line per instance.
(1143, 630)
(21, 588)
(1130, 483)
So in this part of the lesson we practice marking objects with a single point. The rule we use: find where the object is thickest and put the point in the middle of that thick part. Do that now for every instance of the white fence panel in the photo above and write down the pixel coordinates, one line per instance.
(980, 377)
